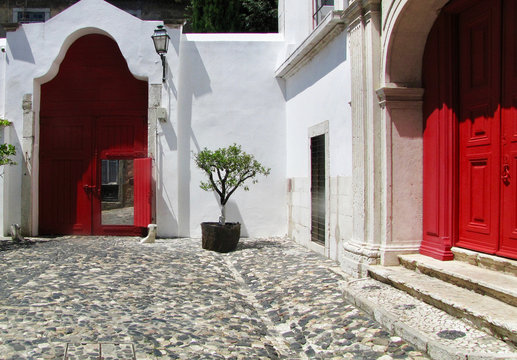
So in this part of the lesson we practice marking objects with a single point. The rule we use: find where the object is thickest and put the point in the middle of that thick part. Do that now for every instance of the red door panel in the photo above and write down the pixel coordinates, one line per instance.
(508, 245)
(122, 136)
(143, 192)
(65, 176)
(440, 123)
(479, 128)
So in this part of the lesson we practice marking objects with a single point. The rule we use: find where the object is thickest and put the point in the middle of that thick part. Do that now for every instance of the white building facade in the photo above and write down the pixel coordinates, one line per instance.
(333, 104)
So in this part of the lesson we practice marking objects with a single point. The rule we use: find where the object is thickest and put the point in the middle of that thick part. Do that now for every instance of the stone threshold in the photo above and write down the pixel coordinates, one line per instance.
(481, 298)
(498, 285)
(487, 261)
(429, 329)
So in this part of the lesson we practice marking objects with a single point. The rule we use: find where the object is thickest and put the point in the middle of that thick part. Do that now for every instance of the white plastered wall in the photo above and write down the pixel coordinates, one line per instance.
(296, 22)
(228, 94)
(320, 92)
(3, 132)
(223, 92)
(33, 55)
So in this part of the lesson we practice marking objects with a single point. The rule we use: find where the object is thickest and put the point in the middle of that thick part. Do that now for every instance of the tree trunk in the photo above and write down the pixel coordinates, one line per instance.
(222, 218)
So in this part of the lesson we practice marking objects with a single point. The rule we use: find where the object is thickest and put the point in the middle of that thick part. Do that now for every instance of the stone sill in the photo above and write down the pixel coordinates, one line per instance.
(331, 26)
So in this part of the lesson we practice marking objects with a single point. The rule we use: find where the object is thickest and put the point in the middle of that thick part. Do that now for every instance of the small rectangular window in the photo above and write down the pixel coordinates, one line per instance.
(30, 15)
(321, 9)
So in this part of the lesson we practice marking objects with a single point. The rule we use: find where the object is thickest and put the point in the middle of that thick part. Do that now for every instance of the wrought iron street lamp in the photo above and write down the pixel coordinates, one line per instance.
(161, 44)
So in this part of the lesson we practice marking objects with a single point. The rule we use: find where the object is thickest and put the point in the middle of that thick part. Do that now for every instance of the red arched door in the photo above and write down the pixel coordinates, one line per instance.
(94, 174)
(470, 75)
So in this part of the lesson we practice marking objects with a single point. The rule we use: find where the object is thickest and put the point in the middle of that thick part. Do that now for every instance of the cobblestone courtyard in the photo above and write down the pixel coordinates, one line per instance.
(270, 299)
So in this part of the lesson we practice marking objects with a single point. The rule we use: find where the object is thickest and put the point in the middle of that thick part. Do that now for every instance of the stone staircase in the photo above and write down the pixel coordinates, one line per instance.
(477, 288)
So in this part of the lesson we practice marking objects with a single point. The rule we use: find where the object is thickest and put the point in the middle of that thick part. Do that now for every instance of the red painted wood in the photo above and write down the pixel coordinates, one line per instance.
(457, 6)
(143, 192)
(479, 128)
(483, 214)
(65, 166)
(439, 142)
(508, 244)
(122, 137)
(95, 104)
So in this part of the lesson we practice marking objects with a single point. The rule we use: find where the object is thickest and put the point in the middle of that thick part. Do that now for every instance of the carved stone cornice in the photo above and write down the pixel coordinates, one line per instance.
(400, 96)
(371, 5)
(355, 11)
(331, 26)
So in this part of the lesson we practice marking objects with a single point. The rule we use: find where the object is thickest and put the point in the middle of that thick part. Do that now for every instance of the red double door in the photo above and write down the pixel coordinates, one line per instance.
(487, 211)
(95, 177)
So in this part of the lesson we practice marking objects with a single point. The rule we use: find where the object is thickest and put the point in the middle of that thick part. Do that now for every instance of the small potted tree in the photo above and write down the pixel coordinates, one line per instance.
(227, 169)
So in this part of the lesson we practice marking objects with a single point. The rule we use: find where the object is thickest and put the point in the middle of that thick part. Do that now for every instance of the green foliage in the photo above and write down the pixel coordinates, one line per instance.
(6, 150)
(222, 16)
(259, 16)
(210, 16)
(228, 169)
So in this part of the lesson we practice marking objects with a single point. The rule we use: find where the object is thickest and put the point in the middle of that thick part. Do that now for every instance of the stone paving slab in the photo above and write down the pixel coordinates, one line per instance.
(99, 351)
(270, 299)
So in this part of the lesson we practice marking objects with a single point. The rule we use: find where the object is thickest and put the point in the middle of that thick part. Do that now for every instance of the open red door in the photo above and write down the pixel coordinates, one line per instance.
(143, 191)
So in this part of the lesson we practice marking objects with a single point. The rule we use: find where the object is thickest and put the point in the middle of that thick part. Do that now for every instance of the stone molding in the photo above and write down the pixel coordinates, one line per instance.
(330, 28)
(363, 248)
(390, 252)
(400, 97)
(333, 24)
(400, 105)
(357, 10)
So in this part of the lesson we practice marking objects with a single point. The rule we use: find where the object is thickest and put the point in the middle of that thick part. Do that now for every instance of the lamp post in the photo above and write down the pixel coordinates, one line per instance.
(161, 44)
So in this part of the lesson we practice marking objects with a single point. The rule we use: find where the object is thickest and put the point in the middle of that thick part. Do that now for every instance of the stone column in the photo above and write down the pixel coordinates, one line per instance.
(27, 165)
(154, 112)
(362, 249)
(402, 151)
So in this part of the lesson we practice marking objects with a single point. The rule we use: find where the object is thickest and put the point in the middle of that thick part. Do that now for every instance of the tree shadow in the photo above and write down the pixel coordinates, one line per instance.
(245, 244)
(9, 245)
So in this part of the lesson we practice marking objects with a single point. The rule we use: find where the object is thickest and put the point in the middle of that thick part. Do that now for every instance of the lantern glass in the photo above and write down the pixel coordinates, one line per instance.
(161, 40)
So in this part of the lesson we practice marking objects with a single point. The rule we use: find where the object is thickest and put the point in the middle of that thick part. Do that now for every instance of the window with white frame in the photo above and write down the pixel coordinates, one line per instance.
(28, 15)
(321, 9)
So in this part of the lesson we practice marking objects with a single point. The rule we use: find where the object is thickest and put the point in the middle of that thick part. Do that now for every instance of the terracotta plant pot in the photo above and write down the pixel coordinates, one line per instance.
(220, 238)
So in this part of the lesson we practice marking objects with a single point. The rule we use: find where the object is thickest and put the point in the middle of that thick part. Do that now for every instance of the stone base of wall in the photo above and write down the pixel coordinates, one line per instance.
(356, 258)
(339, 214)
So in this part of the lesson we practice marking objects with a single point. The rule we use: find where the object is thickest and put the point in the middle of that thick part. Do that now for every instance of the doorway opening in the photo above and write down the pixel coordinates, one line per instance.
(318, 190)
(94, 171)
(470, 110)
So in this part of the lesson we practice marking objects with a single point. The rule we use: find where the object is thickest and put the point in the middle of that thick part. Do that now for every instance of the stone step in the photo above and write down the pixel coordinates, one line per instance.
(500, 286)
(484, 312)
(426, 327)
(487, 261)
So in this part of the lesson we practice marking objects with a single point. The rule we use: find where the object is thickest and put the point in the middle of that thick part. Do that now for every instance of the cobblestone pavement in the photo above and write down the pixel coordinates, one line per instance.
(82, 298)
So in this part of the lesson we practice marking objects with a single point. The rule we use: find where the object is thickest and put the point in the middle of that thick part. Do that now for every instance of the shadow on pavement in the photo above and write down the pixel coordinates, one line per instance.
(257, 244)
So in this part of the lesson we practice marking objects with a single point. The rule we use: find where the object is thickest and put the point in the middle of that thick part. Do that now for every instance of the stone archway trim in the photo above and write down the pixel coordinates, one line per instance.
(29, 194)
